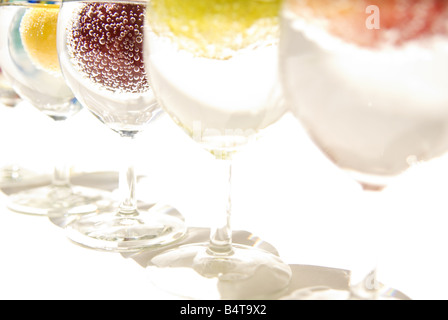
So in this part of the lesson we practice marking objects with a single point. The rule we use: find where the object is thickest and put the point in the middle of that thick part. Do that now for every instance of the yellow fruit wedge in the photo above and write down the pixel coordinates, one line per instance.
(214, 27)
(38, 34)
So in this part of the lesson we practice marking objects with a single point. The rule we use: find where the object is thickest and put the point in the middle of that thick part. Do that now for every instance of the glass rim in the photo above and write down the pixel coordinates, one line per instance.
(57, 2)
(29, 2)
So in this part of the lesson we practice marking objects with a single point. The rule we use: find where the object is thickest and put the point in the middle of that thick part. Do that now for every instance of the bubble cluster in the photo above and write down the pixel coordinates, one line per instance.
(106, 44)
(216, 29)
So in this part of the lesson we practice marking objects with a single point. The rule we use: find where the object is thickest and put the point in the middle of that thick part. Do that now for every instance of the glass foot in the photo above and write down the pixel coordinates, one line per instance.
(325, 293)
(380, 292)
(318, 293)
(13, 176)
(56, 201)
(190, 271)
(110, 231)
(9, 98)
(11, 173)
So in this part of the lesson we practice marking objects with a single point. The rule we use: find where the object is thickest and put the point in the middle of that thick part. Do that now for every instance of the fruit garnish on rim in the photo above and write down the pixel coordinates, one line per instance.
(215, 29)
(38, 34)
(398, 21)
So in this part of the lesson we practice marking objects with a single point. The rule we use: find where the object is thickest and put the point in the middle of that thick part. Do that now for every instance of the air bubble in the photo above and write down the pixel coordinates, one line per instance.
(101, 27)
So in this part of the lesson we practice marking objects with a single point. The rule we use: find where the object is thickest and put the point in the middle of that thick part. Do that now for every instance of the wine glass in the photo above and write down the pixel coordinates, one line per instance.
(30, 63)
(12, 174)
(100, 46)
(213, 67)
(367, 80)
(8, 98)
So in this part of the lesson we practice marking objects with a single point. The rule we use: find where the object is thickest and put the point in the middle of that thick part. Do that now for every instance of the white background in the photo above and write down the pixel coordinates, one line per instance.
(285, 191)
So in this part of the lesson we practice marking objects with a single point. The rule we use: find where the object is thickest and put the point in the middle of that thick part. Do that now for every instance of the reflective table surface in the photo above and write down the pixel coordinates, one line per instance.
(287, 196)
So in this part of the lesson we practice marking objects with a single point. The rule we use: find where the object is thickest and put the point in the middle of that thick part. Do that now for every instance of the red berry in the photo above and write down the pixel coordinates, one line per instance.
(106, 42)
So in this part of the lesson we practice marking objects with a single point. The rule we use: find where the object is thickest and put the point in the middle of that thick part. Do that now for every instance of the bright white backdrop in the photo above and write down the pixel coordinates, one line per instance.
(285, 192)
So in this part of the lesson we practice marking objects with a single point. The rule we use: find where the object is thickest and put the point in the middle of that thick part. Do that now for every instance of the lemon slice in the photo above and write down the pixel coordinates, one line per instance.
(215, 28)
(38, 34)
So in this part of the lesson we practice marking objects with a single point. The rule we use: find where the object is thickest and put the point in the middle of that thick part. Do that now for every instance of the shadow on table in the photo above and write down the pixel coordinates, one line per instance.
(307, 282)
(107, 181)
(187, 283)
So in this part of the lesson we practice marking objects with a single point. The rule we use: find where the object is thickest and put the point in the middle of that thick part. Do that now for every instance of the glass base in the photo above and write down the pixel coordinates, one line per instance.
(110, 231)
(58, 201)
(325, 293)
(13, 176)
(10, 99)
(190, 271)
(10, 174)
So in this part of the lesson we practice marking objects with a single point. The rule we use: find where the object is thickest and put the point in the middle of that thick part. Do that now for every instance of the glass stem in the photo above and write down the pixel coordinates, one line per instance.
(128, 181)
(364, 282)
(61, 171)
(221, 233)
(61, 175)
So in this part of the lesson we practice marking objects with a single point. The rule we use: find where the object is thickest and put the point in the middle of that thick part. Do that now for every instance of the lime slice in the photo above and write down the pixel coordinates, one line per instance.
(38, 34)
(215, 28)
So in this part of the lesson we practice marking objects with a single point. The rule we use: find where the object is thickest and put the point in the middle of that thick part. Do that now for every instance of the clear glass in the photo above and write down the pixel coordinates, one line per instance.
(29, 62)
(368, 82)
(213, 67)
(9, 173)
(100, 46)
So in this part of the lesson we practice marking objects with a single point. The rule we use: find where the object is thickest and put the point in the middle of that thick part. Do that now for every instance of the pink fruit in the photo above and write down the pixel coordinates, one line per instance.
(398, 21)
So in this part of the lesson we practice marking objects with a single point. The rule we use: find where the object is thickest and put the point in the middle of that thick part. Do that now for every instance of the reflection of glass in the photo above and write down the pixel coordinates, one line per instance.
(100, 48)
(30, 63)
(213, 65)
(371, 93)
